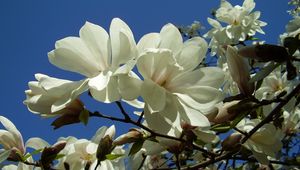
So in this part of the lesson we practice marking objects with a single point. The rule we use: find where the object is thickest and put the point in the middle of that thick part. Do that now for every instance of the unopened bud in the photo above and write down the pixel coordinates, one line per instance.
(70, 114)
(232, 142)
(239, 71)
(223, 114)
(132, 136)
(105, 147)
(265, 53)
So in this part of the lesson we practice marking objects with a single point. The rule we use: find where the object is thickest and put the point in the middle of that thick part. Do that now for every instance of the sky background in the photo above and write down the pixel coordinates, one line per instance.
(30, 28)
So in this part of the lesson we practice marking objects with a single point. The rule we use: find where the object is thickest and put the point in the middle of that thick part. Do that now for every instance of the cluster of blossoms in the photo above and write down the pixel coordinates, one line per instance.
(184, 104)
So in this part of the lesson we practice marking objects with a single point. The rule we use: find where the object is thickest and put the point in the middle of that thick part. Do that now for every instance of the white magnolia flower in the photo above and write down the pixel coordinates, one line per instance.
(11, 138)
(274, 84)
(187, 54)
(81, 152)
(291, 121)
(241, 22)
(49, 96)
(98, 56)
(170, 91)
(266, 141)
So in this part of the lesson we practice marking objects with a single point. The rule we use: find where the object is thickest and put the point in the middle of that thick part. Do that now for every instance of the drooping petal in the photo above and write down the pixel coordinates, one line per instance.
(98, 42)
(154, 95)
(129, 87)
(72, 54)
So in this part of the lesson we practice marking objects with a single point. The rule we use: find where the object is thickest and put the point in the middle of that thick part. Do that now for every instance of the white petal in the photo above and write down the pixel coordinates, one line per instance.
(135, 103)
(36, 143)
(109, 93)
(214, 23)
(111, 131)
(14, 131)
(193, 117)
(155, 62)
(192, 53)
(129, 87)
(72, 54)
(154, 95)
(249, 5)
(122, 42)
(99, 134)
(98, 42)
(202, 98)
(100, 81)
(171, 38)
(211, 76)
(150, 40)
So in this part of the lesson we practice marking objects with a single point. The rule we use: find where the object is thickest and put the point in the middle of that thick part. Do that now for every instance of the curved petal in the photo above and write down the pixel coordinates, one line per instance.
(15, 132)
(201, 98)
(99, 134)
(36, 143)
(98, 42)
(72, 54)
(122, 42)
(192, 53)
(193, 117)
(129, 87)
(109, 93)
(171, 38)
(150, 40)
(156, 63)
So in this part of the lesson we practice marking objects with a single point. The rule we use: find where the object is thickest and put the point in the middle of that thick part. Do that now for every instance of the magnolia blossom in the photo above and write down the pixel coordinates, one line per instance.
(98, 56)
(50, 96)
(266, 141)
(11, 138)
(82, 152)
(241, 22)
(291, 121)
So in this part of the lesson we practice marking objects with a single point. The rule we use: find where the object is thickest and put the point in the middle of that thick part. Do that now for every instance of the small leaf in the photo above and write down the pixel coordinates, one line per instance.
(4, 155)
(224, 127)
(84, 116)
(113, 156)
(264, 72)
(136, 147)
(58, 156)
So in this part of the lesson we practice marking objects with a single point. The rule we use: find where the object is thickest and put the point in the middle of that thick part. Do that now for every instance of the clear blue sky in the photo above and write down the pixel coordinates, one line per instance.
(30, 28)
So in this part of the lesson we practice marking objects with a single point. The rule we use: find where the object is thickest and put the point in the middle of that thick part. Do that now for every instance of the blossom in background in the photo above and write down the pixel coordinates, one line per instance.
(11, 139)
(266, 141)
(50, 96)
(98, 56)
(82, 152)
(240, 22)
(291, 121)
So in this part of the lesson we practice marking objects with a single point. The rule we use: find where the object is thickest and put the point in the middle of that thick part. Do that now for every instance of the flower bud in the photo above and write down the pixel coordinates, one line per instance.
(70, 114)
(239, 71)
(223, 114)
(132, 136)
(265, 53)
(232, 142)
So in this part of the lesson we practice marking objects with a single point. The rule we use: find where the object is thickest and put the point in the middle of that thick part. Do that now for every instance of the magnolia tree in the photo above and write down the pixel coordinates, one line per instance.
(230, 102)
